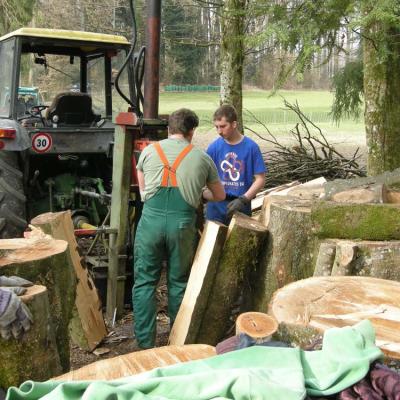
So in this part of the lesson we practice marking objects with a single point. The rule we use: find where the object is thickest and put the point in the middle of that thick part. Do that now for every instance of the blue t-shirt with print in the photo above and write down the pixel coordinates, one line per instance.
(236, 164)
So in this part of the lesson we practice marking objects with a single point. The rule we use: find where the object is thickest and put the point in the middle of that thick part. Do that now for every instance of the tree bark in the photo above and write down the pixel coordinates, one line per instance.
(356, 221)
(34, 356)
(239, 256)
(289, 254)
(306, 309)
(232, 55)
(45, 261)
(87, 325)
(381, 93)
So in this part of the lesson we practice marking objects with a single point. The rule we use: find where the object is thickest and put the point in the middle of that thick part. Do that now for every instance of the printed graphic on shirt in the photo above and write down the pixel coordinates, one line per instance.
(231, 167)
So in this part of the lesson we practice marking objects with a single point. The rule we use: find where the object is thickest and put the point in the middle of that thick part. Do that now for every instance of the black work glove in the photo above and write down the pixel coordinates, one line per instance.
(15, 318)
(238, 204)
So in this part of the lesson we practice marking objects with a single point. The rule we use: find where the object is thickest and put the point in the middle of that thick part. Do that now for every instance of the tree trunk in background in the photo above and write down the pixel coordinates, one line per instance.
(382, 96)
(232, 55)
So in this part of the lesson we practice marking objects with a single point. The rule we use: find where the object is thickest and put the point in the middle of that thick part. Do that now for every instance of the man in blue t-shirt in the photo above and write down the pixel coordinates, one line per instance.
(240, 165)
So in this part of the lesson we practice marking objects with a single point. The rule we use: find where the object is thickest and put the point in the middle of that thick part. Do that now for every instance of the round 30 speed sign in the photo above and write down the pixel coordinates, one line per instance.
(41, 142)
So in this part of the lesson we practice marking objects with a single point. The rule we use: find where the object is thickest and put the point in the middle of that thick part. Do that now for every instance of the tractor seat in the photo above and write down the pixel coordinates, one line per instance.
(72, 108)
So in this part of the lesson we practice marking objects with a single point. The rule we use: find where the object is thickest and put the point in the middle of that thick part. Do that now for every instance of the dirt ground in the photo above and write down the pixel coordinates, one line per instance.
(120, 339)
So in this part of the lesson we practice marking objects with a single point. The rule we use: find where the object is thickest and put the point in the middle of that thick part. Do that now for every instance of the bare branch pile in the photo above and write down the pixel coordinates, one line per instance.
(310, 157)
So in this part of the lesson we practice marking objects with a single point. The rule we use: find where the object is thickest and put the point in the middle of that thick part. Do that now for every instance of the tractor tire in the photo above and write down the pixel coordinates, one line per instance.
(12, 198)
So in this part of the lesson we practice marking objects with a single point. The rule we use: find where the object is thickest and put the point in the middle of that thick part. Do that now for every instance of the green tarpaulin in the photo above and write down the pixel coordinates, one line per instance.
(255, 373)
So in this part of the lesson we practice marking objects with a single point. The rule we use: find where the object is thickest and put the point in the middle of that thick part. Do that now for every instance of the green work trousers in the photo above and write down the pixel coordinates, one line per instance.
(166, 231)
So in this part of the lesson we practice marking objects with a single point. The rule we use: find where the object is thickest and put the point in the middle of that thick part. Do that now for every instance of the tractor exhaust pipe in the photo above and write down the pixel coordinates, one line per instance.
(152, 64)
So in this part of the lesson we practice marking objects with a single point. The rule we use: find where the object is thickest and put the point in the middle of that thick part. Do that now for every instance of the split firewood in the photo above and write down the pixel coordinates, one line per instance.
(239, 256)
(345, 254)
(205, 264)
(378, 259)
(44, 261)
(87, 325)
(34, 356)
(137, 362)
(306, 309)
(325, 259)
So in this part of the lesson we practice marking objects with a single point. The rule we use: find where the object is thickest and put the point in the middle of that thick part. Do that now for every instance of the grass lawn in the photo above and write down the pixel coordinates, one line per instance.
(269, 110)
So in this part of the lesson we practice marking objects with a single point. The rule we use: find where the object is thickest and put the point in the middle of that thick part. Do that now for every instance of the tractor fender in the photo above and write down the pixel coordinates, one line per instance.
(21, 141)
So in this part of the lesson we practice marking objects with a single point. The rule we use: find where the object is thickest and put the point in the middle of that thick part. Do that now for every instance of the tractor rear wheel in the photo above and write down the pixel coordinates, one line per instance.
(12, 198)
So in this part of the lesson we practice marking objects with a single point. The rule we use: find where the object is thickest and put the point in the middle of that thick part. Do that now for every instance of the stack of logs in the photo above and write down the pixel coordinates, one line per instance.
(317, 255)
(64, 301)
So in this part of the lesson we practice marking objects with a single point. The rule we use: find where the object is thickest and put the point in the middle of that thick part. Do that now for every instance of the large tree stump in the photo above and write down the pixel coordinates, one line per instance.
(87, 327)
(378, 259)
(239, 256)
(44, 260)
(194, 303)
(305, 309)
(34, 356)
(289, 255)
(138, 362)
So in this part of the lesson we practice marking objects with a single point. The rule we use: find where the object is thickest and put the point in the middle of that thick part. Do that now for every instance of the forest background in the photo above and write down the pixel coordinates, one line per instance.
(191, 38)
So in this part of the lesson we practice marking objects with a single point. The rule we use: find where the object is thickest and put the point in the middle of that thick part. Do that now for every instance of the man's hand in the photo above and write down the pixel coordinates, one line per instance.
(15, 318)
(238, 204)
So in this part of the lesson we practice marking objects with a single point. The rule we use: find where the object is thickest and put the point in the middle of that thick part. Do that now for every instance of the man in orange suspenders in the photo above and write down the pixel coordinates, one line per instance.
(171, 175)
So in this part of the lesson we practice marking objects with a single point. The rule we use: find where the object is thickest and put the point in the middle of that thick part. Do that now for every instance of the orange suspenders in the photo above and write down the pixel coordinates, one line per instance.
(170, 172)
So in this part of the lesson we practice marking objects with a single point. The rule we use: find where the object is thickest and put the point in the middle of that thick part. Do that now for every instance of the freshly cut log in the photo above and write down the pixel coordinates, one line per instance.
(390, 179)
(239, 257)
(393, 196)
(137, 362)
(87, 325)
(356, 221)
(378, 259)
(34, 356)
(191, 311)
(306, 308)
(370, 194)
(290, 251)
(258, 326)
(44, 260)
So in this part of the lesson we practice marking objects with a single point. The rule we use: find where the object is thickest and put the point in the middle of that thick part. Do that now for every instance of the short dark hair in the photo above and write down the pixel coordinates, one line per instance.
(182, 121)
(227, 111)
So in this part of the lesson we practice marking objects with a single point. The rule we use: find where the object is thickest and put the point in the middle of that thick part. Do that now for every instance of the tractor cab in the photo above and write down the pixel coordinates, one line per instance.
(60, 82)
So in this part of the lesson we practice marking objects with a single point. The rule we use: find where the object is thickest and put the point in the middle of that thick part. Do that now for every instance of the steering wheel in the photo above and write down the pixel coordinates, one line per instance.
(35, 112)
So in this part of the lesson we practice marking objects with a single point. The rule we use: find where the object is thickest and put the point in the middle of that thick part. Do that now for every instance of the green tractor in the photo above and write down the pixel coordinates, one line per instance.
(57, 101)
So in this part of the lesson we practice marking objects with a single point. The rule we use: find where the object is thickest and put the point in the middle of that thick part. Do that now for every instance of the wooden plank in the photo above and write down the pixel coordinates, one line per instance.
(187, 322)
(87, 325)
(137, 362)
(257, 202)
(121, 179)
(316, 304)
